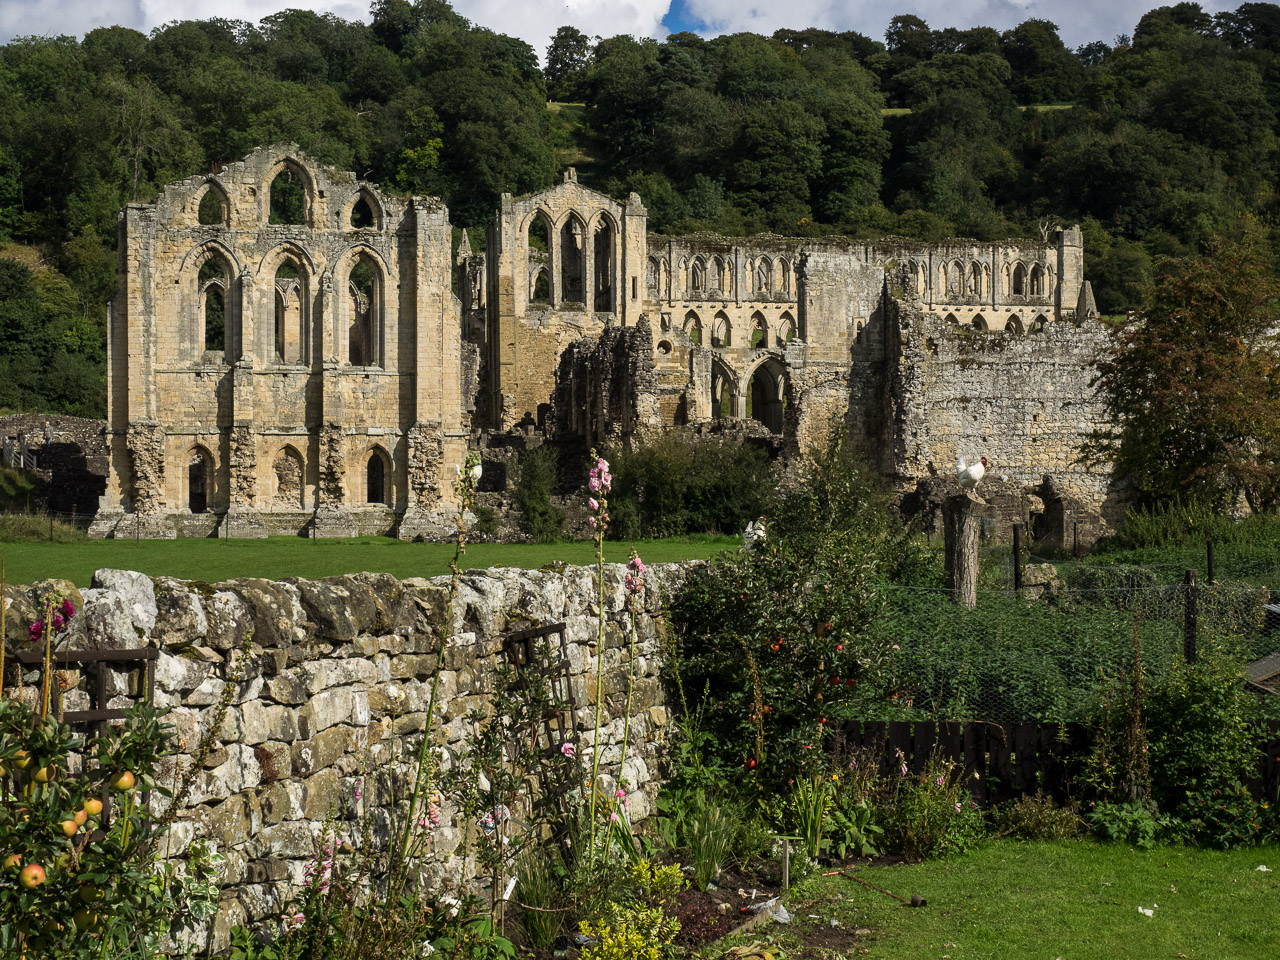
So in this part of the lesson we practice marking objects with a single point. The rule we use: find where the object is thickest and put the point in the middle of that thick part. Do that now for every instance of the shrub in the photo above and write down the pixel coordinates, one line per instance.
(932, 814)
(1200, 728)
(783, 637)
(1038, 817)
(542, 520)
(109, 897)
(1133, 823)
(680, 485)
(1227, 816)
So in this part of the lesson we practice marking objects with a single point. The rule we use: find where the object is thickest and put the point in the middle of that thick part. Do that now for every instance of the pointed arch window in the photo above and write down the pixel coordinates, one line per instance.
(364, 313)
(288, 202)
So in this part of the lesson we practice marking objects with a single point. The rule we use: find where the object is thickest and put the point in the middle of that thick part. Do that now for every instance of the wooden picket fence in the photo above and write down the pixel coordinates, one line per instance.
(1009, 759)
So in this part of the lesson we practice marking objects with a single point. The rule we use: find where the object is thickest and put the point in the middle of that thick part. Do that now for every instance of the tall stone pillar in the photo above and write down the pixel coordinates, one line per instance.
(242, 519)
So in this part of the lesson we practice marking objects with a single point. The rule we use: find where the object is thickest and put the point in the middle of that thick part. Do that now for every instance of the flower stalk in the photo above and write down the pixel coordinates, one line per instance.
(599, 482)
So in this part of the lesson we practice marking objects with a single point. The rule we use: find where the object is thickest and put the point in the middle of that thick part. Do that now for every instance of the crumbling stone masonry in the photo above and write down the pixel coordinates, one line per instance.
(314, 709)
(277, 311)
(268, 376)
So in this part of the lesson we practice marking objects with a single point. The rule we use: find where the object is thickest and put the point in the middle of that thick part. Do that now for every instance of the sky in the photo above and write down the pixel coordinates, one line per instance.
(534, 21)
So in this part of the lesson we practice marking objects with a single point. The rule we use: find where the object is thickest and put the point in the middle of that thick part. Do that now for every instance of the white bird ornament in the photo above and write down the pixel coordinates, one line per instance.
(970, 475)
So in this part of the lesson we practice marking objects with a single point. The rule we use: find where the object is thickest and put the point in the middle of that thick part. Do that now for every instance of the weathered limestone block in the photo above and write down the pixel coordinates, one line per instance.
(274, 610)
(322, 750)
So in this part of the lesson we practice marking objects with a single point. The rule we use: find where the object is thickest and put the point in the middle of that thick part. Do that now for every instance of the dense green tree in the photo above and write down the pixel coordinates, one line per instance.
(568, 57)
(1192, 387)
(1043, 69)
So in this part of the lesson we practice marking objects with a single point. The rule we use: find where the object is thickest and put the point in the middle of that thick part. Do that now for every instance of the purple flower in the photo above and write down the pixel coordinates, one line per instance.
(634, 584)
(58, 623)
(567, 749)
(68, 609)
(37, 630)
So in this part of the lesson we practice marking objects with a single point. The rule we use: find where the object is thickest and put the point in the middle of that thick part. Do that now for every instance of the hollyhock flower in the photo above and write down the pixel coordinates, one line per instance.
(68, 609)
(593, 504)
(591, 522)
(633, 584)
(37, 630)
(594, 484)
(602, 464)
(567, 749)
(58, 623)
(476, 472)
(619, 793)
(637, 566)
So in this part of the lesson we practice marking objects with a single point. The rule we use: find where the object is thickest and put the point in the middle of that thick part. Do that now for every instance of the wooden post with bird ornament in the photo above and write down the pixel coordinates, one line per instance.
(963, 515)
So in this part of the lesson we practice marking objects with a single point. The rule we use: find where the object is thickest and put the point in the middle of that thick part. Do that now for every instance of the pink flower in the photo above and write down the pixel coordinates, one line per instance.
(37, 630)
(591, 522)
(633, 584)
(904, 769)
(957, 808)
(602, 464)
(68, 609)
(619, 793)
(637, 566)
(567, 749)
(938, 782)
(594, 484)
(613, 818)
(593, 503)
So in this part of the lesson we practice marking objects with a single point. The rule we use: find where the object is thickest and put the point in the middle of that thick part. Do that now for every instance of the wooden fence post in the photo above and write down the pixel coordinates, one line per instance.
(963, 524)
(1192, 614)
(1017, 559)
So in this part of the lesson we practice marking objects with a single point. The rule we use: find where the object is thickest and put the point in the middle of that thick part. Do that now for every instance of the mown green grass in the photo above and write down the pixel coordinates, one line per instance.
(1076, 900)
(213, 560)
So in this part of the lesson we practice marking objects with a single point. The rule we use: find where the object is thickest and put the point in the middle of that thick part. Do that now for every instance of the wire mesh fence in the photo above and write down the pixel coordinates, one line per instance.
(1047, 654)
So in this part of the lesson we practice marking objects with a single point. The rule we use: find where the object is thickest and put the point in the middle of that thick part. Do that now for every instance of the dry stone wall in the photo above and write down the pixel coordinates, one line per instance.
(313, 710)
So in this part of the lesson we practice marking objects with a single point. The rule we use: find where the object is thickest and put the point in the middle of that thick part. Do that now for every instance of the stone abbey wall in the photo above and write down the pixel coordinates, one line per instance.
(311, 714)
(270, 376)
(348, 379)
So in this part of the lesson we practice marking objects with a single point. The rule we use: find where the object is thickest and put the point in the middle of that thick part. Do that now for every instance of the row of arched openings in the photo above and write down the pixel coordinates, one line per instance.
(701, 277)
(361, 306)
(1012, 323)
(558, 261)
(758, 334)
(288, 470)
(957, 279)
(289, 202)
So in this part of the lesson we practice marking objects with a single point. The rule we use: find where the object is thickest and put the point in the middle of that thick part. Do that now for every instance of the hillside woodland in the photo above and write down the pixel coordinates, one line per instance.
(1155, 143)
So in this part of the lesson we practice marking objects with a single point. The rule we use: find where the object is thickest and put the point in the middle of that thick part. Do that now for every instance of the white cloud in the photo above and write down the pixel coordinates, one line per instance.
(535, 21)
(1079, 22)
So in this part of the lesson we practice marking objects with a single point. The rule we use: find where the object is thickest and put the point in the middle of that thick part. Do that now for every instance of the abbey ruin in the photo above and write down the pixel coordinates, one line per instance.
(324, 365)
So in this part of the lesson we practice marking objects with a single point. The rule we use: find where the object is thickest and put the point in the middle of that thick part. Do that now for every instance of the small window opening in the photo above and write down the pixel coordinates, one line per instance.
(212, 211)
(362, 214)
(198, 483)
(376, 477)
(288, 198)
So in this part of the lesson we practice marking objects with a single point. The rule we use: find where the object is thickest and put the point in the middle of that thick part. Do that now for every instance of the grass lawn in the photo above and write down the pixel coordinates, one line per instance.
(1069, 900)
(276, 557)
